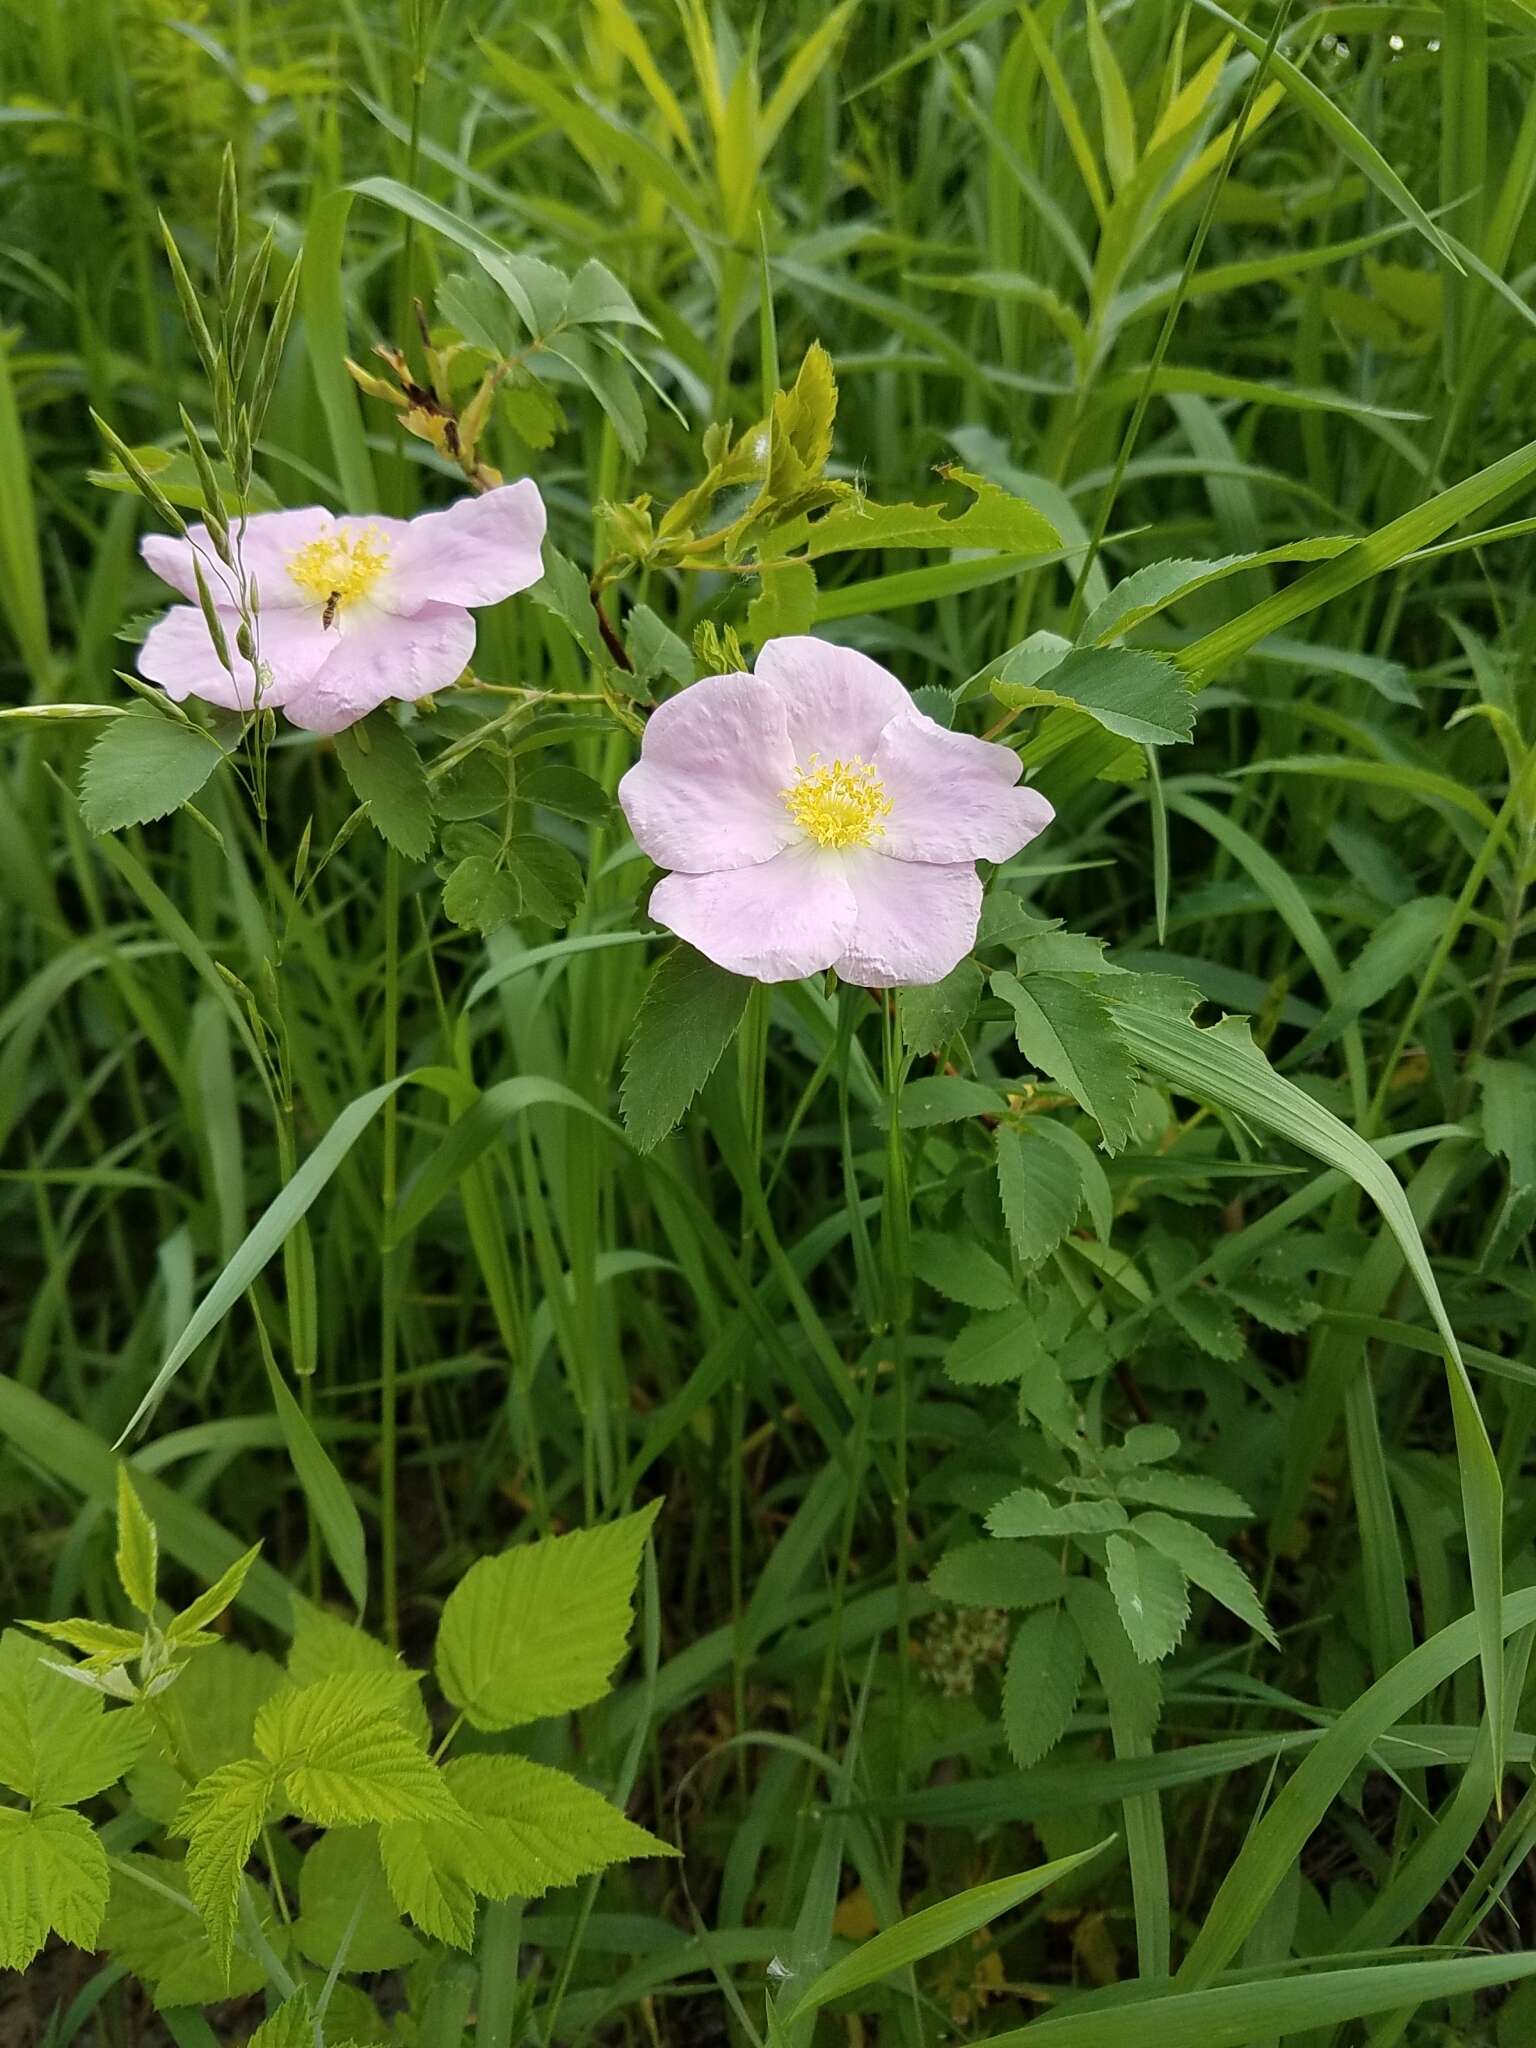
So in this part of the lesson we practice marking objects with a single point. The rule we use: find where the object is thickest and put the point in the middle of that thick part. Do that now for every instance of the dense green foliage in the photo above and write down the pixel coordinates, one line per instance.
(1075, 1451)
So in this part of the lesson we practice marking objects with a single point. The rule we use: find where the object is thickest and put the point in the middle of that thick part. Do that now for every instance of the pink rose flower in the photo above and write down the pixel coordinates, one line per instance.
(352, 611)
(814, 818)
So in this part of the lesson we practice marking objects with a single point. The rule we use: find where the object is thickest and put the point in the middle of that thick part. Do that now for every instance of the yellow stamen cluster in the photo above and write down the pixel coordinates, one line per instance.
(840, 805)
(338, 568)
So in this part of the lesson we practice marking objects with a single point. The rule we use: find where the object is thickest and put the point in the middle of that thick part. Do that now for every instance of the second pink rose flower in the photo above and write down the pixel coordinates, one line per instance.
(813, 817)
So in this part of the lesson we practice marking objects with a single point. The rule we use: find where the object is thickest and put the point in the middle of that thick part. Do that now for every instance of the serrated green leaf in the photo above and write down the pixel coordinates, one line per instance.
(547, 1828)
(1189, 1493)
(138, 1547)
(1134, 695)
(549, 876)
(347, 1918)
(522, 1828)
(345, 1755)
(472, 304)
(610, 380)
(1041, 1190)
(996, 1574)
(1152, 588)
(1027, 1512)
(656, 650)
(483, 781)
(479, 896)
(221, 1817)
(1070, 1032)
(597, 296)
(687, 1017)
(153, 1927)
(961, 1270)
(785, 601)
(931, 1016)
(994, 1348)
(533, 412)
(209, 1605)
(1097, 1196)
(1061, 952)
(566, 790)
(943, 1099)
(1041, 1683)
(803, 416)
(98, 1642)
(1508, 1090)
(57, 1744)
(541, 1629)
(53, 1879)
(143, 767)
(564, 590)
(994, 519)
(1151, 1597)
(540, 292)
(1149, 1443)
(1204, 1315)
(1207, 1565)
(379, 759)
(425, 1865)
(291, 2026)
(324, 1646)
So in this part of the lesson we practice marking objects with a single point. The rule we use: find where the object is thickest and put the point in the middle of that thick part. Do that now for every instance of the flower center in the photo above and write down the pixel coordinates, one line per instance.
(839, 805)
(338, 568)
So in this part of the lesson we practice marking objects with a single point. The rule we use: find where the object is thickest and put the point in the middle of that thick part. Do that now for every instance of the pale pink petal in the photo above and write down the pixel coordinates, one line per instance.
(377, 656)
(915, 922)
(706, 792)
(783, 919)
(953, 797)
(838, 701)
(264, 544)
(178, 654)
(477, 552)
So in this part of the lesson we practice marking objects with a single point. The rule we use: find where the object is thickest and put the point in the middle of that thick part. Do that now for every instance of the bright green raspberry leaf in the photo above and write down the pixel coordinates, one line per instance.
(138, 1547)
(324, 1646)
(540, 1629)
(344, 1753)
(53, 1879)
(58, 1744)
(546, 1827)
(221, 1817)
